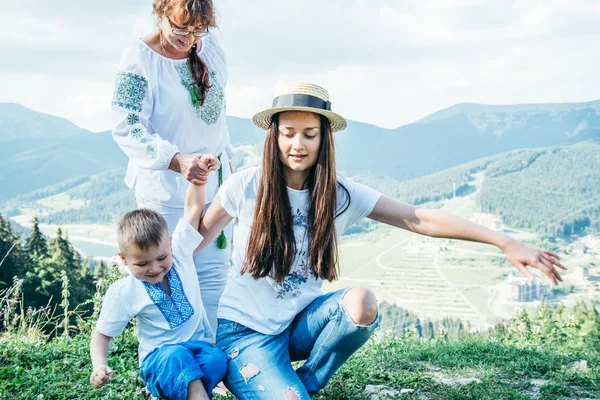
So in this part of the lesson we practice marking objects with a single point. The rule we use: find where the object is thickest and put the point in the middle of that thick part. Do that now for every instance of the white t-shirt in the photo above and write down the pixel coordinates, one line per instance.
(153, 119)
(265, 305)
(161, 319)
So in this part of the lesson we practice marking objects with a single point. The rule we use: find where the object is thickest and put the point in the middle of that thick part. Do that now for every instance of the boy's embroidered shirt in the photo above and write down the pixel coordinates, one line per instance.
(160, 319)
(176, 308)
(265, 305)
(153, 118)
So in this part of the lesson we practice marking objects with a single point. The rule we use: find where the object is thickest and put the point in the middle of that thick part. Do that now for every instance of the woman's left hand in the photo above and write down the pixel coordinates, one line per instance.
(521, 255)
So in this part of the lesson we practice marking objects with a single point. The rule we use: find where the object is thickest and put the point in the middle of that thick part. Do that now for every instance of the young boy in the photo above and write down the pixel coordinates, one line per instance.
(163, 292)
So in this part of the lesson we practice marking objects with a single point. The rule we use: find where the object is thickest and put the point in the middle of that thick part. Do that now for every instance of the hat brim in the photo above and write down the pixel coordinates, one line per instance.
(263, 118)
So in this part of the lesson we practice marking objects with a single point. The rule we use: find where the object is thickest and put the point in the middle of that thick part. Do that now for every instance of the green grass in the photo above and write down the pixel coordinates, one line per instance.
(504, 372)
(59, 369)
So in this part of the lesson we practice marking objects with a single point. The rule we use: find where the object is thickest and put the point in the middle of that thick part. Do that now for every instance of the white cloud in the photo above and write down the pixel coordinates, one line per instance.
(86, 103)
(383, 61)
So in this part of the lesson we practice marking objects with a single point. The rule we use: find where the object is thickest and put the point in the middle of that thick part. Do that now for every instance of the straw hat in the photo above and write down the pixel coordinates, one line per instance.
(301, 97)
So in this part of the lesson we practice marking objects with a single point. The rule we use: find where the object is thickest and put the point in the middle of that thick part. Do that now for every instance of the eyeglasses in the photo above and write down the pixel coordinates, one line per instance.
(183, 32)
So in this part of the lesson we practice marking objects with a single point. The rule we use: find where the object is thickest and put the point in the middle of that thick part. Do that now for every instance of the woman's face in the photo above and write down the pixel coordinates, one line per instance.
(299, 140)
(180, 43)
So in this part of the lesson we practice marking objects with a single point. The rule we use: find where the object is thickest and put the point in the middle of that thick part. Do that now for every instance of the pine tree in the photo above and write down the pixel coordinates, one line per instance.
(60, 250)
(44, 282)
(12, 257)
(101, 270)
(36, 244)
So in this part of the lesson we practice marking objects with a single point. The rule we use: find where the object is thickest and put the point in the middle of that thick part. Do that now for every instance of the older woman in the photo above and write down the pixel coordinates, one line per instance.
(288, 217)
(168, 110)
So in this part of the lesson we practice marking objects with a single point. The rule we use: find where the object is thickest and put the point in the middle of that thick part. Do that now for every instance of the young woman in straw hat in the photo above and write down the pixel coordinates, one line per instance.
(168, 109)
(288, 216)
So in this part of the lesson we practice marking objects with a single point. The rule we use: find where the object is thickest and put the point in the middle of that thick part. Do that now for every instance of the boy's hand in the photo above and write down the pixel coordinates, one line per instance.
(210, 161)
(100, 375)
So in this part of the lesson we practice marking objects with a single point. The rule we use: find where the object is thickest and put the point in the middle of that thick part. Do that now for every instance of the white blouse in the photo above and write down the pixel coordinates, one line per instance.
(153, 118)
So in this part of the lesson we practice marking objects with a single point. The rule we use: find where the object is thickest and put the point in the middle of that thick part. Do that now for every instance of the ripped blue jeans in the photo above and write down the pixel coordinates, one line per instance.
(260, 367)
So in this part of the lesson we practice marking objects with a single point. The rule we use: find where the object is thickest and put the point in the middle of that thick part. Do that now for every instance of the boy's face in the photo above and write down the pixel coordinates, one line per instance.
(150, 265)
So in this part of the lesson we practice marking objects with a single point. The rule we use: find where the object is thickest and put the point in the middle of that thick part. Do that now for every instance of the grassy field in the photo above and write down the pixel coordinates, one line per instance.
(389, 368)
(60, 202)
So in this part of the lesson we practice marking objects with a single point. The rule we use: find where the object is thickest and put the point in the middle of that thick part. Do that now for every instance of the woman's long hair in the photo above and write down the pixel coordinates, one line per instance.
(191, 13)
(272, 246)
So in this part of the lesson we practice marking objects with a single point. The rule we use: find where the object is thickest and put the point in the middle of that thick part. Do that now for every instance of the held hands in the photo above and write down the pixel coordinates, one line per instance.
(521, 255)
(100, 375)
(210, 161)
(195, 167)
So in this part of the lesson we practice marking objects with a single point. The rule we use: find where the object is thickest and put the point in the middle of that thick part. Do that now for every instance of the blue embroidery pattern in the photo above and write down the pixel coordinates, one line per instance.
(175, 308)
(300, 219)
(137, 132)
(151, 152)
(215, 96)
(133, 119)
(294, 280)
(130, 90)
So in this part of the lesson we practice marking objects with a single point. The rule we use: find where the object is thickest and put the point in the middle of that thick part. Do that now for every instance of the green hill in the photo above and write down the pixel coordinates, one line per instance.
(31, 164)
(464, 133)
(39, 150)
(555, 191)
(527, 188)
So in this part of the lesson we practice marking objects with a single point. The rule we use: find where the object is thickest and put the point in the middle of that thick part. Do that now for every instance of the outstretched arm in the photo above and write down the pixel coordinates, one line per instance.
(437, 223)
(213, 222)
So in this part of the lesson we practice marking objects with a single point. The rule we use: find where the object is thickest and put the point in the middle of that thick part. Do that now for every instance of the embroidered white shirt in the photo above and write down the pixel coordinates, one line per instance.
(265, 305)
(153, 119)
(161, 319)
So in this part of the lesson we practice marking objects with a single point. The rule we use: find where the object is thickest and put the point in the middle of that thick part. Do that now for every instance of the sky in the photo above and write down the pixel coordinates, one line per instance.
(384, 62)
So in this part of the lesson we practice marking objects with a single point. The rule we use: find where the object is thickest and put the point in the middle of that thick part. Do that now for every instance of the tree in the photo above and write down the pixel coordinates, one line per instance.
(44, 282)
(36, 244)
(12, 257)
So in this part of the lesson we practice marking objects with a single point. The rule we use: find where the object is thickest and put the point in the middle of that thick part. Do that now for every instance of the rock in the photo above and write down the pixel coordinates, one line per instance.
(456, 381)
(539, 382)
(380, 392)
(580, 366)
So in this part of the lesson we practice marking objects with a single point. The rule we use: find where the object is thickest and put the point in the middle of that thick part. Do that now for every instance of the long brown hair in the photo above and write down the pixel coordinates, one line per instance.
(191, 13)
(272, 246)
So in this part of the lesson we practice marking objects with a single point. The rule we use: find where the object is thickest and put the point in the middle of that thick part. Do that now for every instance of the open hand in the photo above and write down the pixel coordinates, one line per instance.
(521, 255)
(100, 375)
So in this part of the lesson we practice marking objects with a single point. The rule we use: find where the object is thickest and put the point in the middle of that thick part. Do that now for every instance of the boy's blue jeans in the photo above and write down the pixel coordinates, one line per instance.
(168, 370)
(260, 367)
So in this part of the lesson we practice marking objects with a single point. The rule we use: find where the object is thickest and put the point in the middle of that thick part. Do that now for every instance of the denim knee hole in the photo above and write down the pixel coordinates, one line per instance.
(291, 394)
(249, 371)
(358, 294)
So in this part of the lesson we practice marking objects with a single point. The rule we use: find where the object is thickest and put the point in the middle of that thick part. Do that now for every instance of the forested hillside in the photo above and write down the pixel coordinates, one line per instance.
(553, 191)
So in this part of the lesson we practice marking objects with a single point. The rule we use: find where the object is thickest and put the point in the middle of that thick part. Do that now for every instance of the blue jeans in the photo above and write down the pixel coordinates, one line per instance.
(260, 367)
(168, 370)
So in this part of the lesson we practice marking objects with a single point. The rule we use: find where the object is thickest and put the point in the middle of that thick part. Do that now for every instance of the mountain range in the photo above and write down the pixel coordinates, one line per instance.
(39, 150)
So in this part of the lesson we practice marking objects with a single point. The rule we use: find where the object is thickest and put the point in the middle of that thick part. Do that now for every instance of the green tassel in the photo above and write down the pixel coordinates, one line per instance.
(196, 98)
(222, 241)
